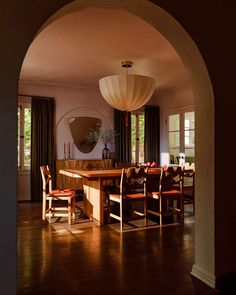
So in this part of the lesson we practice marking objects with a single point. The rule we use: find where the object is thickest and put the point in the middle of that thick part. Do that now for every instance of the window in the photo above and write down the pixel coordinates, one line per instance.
(189, 132)
(174, 134)
(180, 133)
(137, 137)
(24, 136)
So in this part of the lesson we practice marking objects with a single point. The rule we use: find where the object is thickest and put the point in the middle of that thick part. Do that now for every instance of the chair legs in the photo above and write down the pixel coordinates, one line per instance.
(122, 214)
(44, 208)
(50, 211)
(71, 209)
(121, 217)
(160, 209)
(167, 208)
(146, 212)
(50, 208)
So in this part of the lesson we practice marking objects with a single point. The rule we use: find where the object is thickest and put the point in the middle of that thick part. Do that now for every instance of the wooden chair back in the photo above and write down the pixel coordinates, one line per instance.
(132, 189)
(134, 180)
(171, 178)
(46, 178)
(189, 174)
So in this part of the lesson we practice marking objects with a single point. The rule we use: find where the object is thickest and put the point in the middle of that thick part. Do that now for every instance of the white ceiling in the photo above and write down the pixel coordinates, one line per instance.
(80, 48)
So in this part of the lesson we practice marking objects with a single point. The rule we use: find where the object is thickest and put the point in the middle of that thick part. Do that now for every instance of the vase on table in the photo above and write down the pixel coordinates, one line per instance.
(105, 152)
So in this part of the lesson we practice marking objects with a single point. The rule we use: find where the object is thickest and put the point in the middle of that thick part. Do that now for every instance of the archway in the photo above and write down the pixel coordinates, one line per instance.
(204, 110)
(172, 31)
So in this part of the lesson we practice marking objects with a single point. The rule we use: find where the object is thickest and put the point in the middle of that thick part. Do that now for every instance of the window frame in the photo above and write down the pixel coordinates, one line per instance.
(137, 113)
(22, 105)
(181, 112)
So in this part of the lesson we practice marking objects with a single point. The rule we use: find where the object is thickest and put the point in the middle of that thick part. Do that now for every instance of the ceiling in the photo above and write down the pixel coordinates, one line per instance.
(80, 48)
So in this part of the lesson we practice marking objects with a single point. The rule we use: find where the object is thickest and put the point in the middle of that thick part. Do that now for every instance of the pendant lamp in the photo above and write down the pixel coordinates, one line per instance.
(127, 92)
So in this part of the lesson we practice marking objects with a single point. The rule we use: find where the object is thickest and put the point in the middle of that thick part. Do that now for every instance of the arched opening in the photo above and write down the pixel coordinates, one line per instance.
(204, 109)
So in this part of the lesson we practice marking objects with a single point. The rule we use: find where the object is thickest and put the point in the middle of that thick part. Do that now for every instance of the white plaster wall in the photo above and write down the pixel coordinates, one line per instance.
(23, 186)
(70, 102)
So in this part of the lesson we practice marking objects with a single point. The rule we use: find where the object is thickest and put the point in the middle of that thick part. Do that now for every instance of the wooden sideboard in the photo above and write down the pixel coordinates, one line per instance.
(63, 181)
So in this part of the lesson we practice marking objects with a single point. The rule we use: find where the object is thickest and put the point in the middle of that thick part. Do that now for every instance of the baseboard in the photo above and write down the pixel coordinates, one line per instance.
(23, 198)
(204, 276)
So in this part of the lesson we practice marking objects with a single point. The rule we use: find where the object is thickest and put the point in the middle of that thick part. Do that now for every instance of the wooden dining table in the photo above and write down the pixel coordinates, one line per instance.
(93, 181)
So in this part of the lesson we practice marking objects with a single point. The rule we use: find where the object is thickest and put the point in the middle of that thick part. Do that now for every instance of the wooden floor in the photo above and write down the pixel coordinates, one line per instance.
(99, 260)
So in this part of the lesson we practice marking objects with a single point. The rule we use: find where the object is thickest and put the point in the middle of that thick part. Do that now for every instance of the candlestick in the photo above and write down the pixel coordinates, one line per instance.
(69, 150)
(64, 151)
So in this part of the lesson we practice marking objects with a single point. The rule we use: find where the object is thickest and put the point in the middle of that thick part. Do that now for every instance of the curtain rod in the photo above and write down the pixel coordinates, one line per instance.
(26, 95)
(43, 97)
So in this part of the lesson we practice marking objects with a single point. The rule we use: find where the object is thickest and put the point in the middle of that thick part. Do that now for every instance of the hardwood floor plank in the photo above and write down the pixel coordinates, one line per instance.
(99, 260)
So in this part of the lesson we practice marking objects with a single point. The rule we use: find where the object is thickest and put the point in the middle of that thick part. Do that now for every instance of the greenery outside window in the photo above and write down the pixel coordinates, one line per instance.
(137, 136)
(24, 136)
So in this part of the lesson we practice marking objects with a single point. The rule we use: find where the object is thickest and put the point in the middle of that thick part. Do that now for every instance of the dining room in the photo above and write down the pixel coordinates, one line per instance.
(75, 95)
(66, 120)
(73, 100)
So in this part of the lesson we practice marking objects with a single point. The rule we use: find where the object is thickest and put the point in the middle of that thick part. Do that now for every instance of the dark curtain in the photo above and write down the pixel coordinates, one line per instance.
(152, 134)
(42, 142)
(122, 126)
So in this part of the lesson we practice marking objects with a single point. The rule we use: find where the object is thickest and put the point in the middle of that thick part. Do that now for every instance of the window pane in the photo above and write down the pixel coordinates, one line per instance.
(189, 120)
(174, 139)
(174, 135)
(27, 136)
(181, 133)
(189, 139)
(133, 138)
(189, 152)
(137, 137)
(174, 122)
(189, 131)
(141, 138)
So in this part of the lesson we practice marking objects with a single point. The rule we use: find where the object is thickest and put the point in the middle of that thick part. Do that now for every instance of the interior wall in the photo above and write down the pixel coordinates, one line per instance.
(23, 187)
(171, 100)
(19, 22)
(72, 102)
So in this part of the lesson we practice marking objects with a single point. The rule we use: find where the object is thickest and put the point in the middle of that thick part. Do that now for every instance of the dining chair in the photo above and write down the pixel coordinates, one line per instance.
(49, 210)
(189, 186)
(168, 201)
(192, 166)
(113, 186)
(132, 189)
